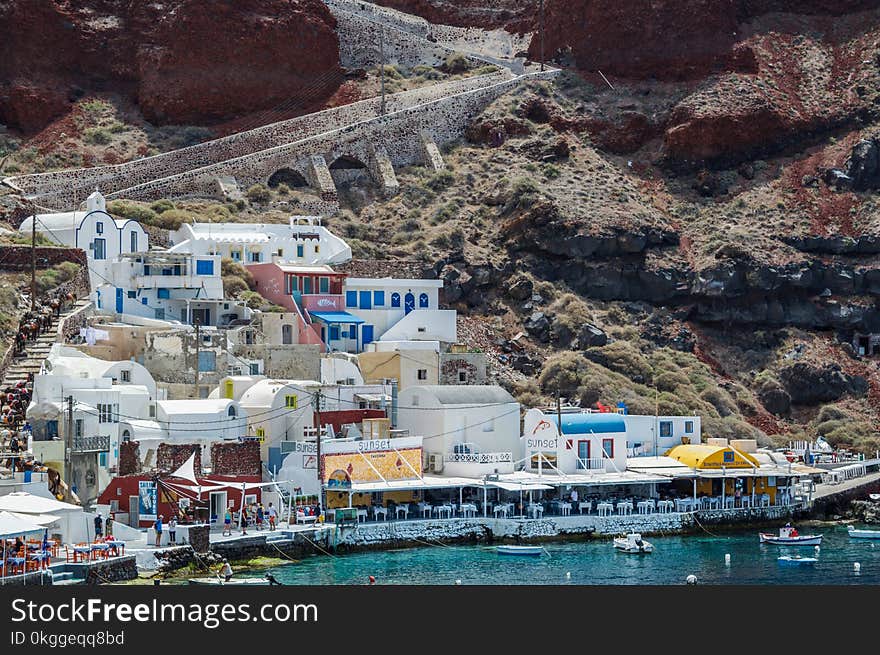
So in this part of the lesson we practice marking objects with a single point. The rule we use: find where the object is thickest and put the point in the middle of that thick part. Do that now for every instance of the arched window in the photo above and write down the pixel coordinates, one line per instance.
(286, 334)
(395, 299)
(126, 435)
(409, 303)
(423, 300)
(231, 411)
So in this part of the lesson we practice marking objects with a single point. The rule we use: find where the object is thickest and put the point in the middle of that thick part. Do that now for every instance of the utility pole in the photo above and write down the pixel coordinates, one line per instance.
(198, 342)
(68, 442)
(316, 400)
(382, 66)
(33, 262)
(542, 34)
(559, 421)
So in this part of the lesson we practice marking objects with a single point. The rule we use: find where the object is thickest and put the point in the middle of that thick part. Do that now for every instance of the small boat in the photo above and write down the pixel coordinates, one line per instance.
(863, 534)
(633, 543)
(874, 496)
(795, 560)
(788, 536)
(519, 550)
(243, 582)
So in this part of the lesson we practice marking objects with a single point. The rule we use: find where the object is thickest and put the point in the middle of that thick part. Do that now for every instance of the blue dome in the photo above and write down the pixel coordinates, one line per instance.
(596, 423)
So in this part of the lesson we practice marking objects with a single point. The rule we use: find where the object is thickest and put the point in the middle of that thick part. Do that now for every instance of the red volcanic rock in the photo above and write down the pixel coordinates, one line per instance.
(513, 15)
(185, 61)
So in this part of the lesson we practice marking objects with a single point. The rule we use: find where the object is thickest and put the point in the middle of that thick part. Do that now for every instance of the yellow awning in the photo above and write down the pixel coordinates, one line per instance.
(705, 456)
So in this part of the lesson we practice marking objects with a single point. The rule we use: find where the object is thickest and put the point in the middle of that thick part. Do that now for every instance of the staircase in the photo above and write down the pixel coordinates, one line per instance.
(36, 351)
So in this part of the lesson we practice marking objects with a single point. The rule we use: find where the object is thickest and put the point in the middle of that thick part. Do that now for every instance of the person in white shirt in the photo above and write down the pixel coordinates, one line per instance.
(574, 498)
(273, 516)
(226, 570)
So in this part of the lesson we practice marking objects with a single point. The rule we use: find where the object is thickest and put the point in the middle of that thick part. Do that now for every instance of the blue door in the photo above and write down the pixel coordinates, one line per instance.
(367, 334)
(119, 301)
(409, 303)
(583, 453)
(366, 300)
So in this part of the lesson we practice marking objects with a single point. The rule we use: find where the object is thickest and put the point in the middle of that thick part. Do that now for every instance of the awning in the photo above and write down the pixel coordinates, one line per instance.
(373, 397)
(336, 317)
(12, 526)
(426, 482)
(518, 486)
(39, 519)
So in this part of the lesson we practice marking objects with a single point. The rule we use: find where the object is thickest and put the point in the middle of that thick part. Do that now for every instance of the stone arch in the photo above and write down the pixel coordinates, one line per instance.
(348, 170)
(288, 176)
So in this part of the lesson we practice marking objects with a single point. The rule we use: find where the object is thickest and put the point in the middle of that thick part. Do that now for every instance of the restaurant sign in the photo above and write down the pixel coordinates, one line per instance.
(373, 465)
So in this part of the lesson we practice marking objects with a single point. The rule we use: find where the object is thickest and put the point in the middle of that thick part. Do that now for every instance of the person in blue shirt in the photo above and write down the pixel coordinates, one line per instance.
(158, 527)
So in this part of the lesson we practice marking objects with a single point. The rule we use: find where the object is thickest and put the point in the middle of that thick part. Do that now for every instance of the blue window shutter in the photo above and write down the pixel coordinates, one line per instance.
(163, 293)
(299, 250)
(204, 267)
(143, 301)
(207, 361)
(334, 332)
(395, 299)
(379, 298)
(351, 299)
(423, 300)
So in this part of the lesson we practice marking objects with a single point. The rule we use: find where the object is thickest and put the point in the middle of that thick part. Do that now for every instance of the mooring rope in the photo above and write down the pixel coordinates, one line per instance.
(316, 545)
(694, 514)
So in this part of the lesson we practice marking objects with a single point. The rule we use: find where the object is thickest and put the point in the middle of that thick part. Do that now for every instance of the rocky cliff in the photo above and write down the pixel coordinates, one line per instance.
(183, 61)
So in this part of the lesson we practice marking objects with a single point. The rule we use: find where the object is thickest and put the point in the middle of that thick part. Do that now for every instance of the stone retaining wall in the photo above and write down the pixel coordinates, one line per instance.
(116, 569)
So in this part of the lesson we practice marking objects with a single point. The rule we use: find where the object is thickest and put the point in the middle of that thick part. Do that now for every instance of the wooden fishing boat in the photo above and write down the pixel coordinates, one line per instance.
(519, 550)
(862, 534)
(788, 536)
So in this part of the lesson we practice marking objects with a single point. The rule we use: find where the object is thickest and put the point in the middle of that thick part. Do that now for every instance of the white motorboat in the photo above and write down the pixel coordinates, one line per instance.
(795, 560)
(519, 550)
(862, 534)
(633, 543)
(788, 536)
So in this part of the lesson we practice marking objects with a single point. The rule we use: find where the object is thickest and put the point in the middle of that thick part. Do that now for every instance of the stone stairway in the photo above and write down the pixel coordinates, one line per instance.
(36, 351)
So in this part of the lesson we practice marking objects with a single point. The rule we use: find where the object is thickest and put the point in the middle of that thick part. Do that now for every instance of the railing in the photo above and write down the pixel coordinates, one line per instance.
(591, 464)
(480, 458)
(91, 444)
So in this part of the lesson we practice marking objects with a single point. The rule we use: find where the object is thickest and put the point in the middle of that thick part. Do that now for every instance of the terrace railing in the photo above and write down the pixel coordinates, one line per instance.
(95, 444)
(480, 458)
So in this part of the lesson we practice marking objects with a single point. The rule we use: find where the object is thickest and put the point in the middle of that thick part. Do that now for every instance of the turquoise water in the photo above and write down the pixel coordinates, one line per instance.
(598, 563)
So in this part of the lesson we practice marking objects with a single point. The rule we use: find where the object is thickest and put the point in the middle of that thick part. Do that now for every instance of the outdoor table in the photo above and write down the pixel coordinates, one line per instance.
(100, 548)
(41, 558)
(534, 509)
(645, 507)
(117, 547)
(565, 509)
(683, 504)
(401, 509)
(664, 506)
(360, 513)
(765, 500)
(714, 502)
(500, 509)
(378, 509)
(624, 507)
(729, 502)
(585, 504)
(443, 509)
(82, 550)
(16, 563)
(604, 509)
(745, 501)
(468, 509)
(425, 509)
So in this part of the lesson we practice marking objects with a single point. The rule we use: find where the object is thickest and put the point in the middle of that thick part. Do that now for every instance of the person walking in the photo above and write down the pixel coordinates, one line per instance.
(158, 527)
(108, 525)
(99, 527)
(227, 523)
(244, 519)
(273, 516)
(260, 515)
(172, 531)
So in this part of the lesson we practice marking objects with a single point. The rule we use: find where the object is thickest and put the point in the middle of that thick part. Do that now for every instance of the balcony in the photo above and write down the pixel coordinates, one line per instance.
(591, 464)
(476, 465)
(97, 444)
(168, 281)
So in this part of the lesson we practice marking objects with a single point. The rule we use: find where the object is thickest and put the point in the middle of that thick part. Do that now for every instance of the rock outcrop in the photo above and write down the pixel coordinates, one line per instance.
(186, 61)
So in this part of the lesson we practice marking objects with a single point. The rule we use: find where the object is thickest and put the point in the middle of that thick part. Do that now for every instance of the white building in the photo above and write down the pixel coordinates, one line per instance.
(102, 237)
(168, 286)
(467, 430)
(589, 441)
(399, 310)
(654, 435)
(102, 392)
(303, 241)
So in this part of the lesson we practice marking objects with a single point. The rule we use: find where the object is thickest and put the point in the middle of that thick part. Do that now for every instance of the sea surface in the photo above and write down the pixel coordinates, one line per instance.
(596, 562)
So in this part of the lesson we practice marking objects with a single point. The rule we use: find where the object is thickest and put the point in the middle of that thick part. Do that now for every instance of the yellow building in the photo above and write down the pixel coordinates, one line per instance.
(718, 467)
